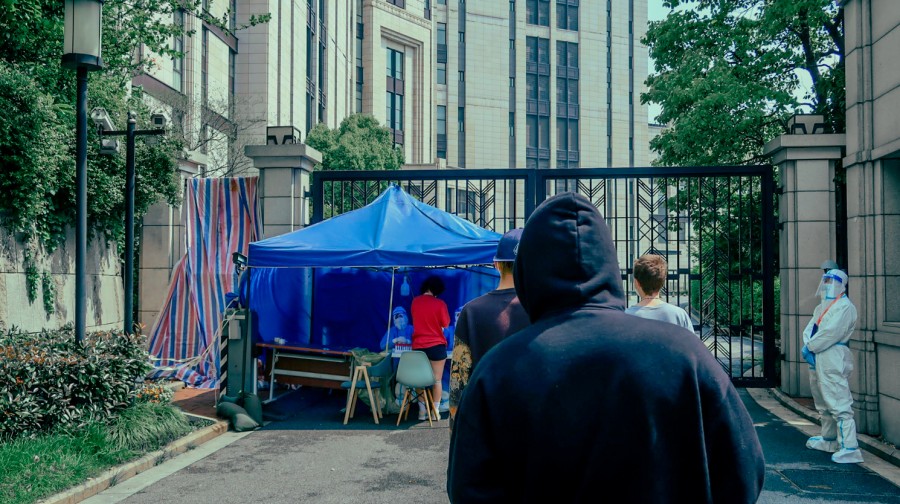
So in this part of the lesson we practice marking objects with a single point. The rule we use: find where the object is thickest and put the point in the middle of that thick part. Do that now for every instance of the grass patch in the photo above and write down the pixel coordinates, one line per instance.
(31, 469)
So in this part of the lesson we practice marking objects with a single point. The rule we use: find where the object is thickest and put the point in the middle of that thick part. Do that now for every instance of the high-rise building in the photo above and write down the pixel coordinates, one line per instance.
(478, 84)
(565, 74)
(514, 83)
(517, 83)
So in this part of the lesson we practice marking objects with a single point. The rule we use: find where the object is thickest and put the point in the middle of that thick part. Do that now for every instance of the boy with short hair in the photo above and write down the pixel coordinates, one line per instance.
(650, 273)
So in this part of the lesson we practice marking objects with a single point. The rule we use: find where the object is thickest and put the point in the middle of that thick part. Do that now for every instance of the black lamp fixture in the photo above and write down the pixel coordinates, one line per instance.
(83, 34)
(82, 53)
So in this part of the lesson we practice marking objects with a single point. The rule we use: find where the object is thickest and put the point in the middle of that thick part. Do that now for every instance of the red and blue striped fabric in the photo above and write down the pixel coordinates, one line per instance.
(219, 217)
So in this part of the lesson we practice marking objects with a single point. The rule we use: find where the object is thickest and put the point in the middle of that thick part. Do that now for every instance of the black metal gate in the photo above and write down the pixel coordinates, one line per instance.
(714, 225)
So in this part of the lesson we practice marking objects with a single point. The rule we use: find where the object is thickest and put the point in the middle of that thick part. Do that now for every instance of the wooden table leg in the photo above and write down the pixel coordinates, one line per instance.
(350, 394)
(372, 401)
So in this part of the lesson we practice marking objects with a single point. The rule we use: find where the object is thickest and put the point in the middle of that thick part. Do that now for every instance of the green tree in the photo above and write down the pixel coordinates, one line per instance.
(726, 72)
(726, 76)
(359, 143)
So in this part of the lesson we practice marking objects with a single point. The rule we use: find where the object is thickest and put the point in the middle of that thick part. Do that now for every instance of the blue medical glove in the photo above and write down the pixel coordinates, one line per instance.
(808, 356)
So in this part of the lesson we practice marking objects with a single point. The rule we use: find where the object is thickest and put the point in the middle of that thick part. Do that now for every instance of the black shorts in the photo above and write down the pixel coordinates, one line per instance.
(435, 353)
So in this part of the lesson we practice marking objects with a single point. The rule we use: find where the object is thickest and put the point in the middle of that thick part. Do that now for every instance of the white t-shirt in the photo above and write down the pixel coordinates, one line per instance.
(663, 312)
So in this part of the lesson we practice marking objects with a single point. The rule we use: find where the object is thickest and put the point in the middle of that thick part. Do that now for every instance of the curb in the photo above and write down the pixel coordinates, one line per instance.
(116, 475)
(872, 445)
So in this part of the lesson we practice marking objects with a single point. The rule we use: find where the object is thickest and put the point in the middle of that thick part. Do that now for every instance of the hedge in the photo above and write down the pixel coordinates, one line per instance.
(50, 382)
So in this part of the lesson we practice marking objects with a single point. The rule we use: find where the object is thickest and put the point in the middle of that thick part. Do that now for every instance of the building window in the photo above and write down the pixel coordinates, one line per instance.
(204, 138)
(512, 5)
(398, 3)
(441, 119)
(178, 47)
(537, 12)
(441, 73)
(566, 15)
(442, 33)
(567, 112)
(465, 204)
(442, 131)
(512, 82)
(442, 2)
(442, 42)
(394, 94)
(204, 67)
(359, 57)
(462, 76)
(462, 37)
(322, 80)
(537, 102)
(462, 119)
(512, 124)
(567, 143)
(231, 83)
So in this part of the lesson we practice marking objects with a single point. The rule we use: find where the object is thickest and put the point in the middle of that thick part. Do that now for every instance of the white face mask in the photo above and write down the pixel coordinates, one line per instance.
(400, 322)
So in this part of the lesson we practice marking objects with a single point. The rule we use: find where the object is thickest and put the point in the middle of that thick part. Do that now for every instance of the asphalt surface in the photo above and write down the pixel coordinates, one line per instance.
(309, 456)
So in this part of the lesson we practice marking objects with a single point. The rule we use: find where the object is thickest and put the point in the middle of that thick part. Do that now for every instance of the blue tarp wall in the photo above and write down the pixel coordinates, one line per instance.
(349, 307)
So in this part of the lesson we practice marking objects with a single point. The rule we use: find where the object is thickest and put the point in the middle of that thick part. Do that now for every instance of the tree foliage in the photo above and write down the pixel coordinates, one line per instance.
(359, 143)
(37, 118)
(726, 77)
(726, 72)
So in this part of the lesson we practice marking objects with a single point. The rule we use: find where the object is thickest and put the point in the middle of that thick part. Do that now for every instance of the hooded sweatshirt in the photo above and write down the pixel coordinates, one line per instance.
(589, 404)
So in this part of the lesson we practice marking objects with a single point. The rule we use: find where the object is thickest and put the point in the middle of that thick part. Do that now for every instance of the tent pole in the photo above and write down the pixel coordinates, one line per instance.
(387, 341)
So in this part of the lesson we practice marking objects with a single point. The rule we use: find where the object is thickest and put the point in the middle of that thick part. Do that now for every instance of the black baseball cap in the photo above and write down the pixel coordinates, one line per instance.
(508, 246)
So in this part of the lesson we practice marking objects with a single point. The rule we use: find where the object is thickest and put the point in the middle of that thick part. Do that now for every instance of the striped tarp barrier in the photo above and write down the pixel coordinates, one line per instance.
(220, 216)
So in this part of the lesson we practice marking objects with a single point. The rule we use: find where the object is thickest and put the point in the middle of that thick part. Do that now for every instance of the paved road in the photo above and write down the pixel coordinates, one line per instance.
(795, 474)
(310, 457)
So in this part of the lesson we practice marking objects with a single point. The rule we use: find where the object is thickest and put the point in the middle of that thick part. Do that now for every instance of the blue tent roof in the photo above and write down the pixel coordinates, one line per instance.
(394, 230)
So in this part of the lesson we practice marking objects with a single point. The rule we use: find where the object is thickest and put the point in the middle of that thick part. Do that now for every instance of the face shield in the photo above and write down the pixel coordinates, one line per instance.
(832, 285)
(400, 320)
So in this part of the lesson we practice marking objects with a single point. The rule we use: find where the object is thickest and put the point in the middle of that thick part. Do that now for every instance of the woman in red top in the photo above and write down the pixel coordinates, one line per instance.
(430, 317)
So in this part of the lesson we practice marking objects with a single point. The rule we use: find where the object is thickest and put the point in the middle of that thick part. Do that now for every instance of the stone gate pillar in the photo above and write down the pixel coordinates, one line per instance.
(162, 246)
(806, 215)
(284, 167)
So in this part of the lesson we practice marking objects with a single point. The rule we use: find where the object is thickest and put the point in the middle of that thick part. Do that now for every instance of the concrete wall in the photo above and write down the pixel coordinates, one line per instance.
(873, 208)
(104, 286)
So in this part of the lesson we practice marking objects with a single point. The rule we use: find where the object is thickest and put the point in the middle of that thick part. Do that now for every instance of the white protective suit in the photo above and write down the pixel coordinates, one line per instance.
(829, 377)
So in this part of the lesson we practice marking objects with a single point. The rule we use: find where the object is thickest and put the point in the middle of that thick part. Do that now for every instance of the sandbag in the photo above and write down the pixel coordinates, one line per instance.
(253, 406)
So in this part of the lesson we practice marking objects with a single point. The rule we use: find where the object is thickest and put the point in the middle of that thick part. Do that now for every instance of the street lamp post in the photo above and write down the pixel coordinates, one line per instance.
(81, 52)
(101, 119)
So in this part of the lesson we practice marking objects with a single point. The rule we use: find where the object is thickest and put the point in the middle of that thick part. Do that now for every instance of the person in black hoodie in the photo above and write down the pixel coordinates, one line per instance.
(589, 403)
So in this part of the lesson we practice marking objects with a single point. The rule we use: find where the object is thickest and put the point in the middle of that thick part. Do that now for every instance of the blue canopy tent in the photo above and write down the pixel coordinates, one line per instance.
(352, 259)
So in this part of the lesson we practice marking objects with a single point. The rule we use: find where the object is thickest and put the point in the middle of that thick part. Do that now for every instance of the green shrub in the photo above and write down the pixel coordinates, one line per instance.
(48, 381)
(33, 468)
(146, 427)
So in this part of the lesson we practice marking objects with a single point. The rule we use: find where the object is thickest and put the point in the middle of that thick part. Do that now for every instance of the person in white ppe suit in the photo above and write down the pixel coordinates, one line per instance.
(826, 350)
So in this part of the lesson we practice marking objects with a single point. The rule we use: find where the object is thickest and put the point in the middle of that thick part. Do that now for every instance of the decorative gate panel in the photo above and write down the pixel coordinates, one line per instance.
(714, 225)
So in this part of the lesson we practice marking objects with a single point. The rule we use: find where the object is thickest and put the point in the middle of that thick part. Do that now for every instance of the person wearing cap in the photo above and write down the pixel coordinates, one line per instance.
(825, 348)
(486, 320)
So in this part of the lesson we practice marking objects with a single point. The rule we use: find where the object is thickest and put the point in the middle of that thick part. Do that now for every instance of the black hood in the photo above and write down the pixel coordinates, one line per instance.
(566, 259)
